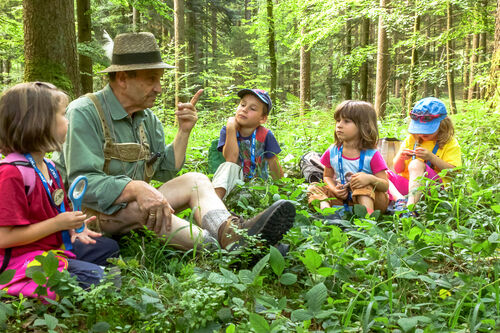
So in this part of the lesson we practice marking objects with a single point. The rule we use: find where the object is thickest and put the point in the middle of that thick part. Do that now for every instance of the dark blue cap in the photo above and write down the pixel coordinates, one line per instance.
(261, 94)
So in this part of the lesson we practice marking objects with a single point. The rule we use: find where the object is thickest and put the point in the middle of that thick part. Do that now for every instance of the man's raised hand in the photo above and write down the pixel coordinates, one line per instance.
(187, 114)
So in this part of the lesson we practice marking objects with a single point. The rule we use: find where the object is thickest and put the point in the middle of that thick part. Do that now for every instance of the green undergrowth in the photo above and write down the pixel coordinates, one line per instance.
(438, 272)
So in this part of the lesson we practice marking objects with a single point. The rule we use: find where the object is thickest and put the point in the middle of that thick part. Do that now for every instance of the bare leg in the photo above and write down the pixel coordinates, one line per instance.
(193, 190)
(416, 169)
(394, 191)
(366, 201)
(221, 192)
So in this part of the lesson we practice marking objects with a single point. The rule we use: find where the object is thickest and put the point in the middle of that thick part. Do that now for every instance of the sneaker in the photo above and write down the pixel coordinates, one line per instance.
(271, 225)
(397, 206)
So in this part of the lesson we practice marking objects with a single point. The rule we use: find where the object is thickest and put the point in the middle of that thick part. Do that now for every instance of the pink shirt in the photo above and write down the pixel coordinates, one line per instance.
(377, 162)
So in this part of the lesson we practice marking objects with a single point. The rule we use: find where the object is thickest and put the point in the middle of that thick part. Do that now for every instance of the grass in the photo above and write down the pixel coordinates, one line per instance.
(436, 273)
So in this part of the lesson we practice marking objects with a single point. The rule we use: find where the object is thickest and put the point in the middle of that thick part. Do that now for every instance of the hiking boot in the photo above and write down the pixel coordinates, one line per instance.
(270, 225)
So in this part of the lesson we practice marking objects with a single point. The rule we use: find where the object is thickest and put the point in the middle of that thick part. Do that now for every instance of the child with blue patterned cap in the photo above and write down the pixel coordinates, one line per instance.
(248, 147)
(429, 148)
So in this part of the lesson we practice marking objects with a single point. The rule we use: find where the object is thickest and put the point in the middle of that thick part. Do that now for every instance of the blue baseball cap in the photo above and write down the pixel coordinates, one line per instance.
(261, 94)
(426, 116)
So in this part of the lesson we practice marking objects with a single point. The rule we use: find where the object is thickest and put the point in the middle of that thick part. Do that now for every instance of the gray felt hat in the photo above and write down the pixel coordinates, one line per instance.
(134, 51)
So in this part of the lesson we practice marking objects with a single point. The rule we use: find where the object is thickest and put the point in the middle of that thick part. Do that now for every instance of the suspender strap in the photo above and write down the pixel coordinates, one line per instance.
(108, 141)
(125, 152)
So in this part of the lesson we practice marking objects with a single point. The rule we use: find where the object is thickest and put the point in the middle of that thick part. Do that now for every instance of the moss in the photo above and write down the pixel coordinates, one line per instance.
(48, 71)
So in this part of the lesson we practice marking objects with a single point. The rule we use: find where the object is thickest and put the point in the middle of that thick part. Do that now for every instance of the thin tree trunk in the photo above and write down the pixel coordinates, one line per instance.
(85, 36)
(466, 69)
(473, 62)
(414, 61)
(136, 20)
(363, 71)
(347, 81)
(272, 48)
(180, 66)
(483, 51)
(493, 90)
(192, 44)
(329, 79)
(248, 13)
(305, 78)
(382, 64)
(449, 59)
(213, 26)
(50, 44)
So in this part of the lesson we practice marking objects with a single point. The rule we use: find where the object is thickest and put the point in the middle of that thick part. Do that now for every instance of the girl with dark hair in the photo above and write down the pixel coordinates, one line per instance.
(36, 218)
(355, 171)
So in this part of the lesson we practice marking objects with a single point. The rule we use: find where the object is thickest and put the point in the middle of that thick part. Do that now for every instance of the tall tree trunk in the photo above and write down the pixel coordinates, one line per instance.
(192, 42)
(50, 44)
(472, 69)
(213, 26)
(382, 64)
(305, 78)
(248, 13)
(449, 59)
(272, 48)
(1, 71)
(414, 61)
(363, 71)
(466, 68)
(136, 20)
(426, 87)
(329, 79)
(482, 57)
(85, 36)
(180, 66)
(347, 81)
(493, 90)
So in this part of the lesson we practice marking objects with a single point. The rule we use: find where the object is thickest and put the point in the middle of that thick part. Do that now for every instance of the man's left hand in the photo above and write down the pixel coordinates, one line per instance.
(187, 114)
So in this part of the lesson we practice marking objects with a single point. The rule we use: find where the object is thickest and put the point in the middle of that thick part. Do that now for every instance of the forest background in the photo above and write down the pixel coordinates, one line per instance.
(439, 272)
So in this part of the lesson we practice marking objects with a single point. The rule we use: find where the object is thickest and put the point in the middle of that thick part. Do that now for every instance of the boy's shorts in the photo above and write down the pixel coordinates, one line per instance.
(402, 184)
(228, 174)
(323, 193)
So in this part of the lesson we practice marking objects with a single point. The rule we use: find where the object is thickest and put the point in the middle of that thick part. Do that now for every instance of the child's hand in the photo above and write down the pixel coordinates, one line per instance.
(86, 234)
(406, 154)
(423, 154)
(341, 191)
(232, 123)
(70, 220)
(359, 180)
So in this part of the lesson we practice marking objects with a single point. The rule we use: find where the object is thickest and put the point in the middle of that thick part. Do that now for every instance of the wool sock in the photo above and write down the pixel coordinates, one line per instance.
(213, 220)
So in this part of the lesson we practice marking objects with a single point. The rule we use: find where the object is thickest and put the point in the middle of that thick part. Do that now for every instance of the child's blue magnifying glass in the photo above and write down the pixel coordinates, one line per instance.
(76, 192)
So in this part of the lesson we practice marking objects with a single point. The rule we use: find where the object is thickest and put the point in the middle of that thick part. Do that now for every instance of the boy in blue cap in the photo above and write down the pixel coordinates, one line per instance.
(429, 148)
(248, 147)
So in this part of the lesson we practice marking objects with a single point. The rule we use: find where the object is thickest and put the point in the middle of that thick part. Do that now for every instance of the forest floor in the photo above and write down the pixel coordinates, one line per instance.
(438, 272)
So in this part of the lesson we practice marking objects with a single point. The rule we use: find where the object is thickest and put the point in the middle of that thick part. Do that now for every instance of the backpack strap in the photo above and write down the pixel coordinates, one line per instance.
(25, 168)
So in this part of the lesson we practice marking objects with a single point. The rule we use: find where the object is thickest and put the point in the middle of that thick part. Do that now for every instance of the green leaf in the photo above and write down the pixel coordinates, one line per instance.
(39, 278)
(228, 274)
(146, 299)
(231, 328)
(219, 279)
(493, 238)
(408, 324)
(301, 315)
(277, 261)
(51, 263)
(260, 265)
(312, 260)
(50, 321)
(316, 297)
(496, 208)
(246, 276)
(258, 323)
(101, 326)
(7, 276)
(360, 211)
(326, 271)
(288, 279)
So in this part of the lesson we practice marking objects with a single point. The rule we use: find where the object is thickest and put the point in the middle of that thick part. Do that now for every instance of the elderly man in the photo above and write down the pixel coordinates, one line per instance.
(117, 142)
